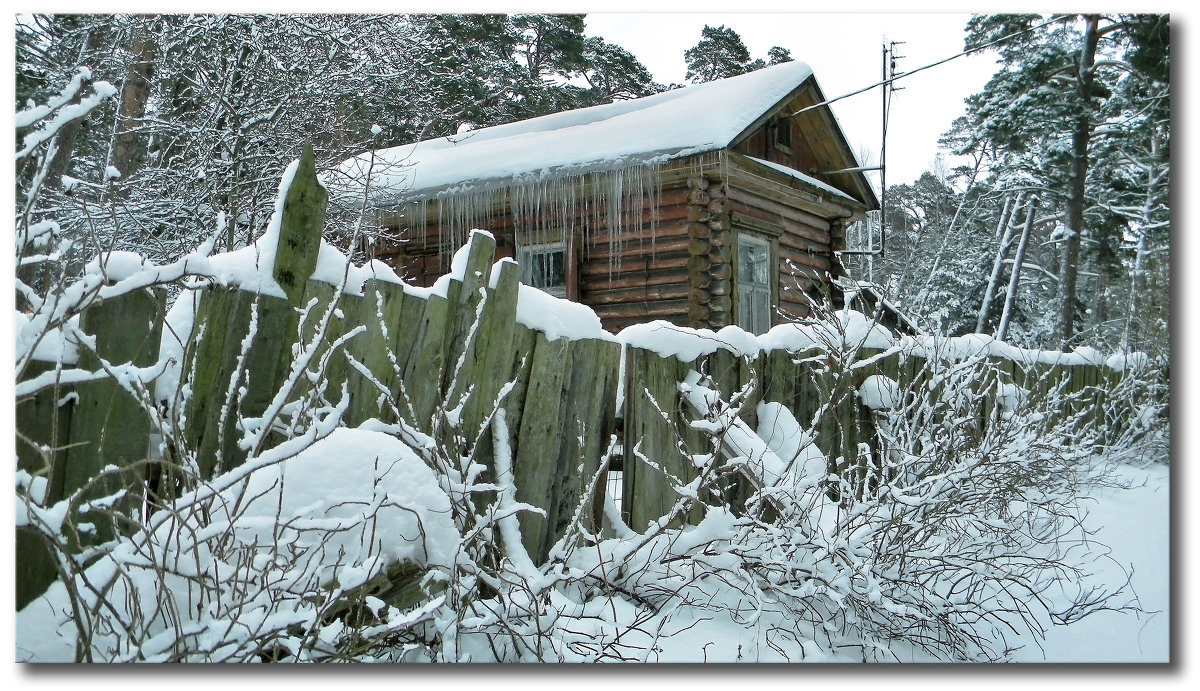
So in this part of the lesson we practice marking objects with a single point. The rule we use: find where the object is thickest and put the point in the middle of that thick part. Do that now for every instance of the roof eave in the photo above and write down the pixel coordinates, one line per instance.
(862, 184)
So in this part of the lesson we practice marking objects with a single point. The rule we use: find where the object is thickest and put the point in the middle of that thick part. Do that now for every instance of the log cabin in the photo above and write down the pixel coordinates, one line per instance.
(714, 204)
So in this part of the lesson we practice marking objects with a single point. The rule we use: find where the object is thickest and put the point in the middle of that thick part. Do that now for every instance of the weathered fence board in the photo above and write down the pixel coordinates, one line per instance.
(109, 425)
(423, 375)
(42, 424)
(74, 436)
(584, 431)
(493, 357)
(445, 359)
(535, 459)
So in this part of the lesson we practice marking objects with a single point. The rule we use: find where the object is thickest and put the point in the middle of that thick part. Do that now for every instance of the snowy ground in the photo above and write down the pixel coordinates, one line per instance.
(1132, 520)
(1135, 524)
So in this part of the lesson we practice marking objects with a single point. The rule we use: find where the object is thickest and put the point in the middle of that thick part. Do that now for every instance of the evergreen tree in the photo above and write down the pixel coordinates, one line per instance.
(777, 55)
(719, 54)
(213, 106)
(1048, 116)
(614, 74)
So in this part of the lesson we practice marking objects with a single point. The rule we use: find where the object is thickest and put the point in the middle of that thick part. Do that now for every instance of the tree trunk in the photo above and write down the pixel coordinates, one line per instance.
(1011, 298)
(1076, 186)
(989, 295)
(65, 146)
(129, 145)
(1143, 248)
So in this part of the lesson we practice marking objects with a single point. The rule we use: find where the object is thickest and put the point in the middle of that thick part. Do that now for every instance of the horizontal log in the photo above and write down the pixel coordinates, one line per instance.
(647, 248)
(633, 266)
(794, 243)
(640, 294)
(674, 311)
(648, 233)
(802, 259)
(634, 280)
(773, 208)
(750, 175)
(775, 224)
(796, 293)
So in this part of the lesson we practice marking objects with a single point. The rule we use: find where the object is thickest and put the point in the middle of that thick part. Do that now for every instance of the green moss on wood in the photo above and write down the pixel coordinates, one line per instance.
(300, 228)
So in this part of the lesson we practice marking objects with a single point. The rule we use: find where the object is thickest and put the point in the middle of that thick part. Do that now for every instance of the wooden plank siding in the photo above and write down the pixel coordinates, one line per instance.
(764, 143)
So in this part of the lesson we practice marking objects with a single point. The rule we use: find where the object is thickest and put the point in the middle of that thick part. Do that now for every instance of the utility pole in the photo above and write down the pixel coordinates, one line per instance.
(889, 87)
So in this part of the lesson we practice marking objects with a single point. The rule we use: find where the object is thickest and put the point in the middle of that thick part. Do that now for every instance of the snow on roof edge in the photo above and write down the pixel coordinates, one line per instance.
(824, 187)
(606, 137)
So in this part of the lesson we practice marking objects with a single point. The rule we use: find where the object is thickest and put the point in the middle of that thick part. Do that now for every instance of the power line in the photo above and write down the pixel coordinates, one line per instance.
(1054, 19)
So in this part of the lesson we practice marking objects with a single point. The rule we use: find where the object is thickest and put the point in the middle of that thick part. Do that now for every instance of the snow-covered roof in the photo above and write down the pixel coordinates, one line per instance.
(673, 124)
(807, 179)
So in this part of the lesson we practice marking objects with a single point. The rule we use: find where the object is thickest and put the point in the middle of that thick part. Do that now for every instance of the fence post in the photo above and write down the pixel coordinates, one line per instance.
(42, 425)
(584, 429)
(655, 428)
(300, 228)
(109, 425)
(231, 379)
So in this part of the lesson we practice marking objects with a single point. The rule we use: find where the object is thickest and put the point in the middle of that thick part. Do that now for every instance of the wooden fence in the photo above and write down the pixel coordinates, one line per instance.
(430, 351)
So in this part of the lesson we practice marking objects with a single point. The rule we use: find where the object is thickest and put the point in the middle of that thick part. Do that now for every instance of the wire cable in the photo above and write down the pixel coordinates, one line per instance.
(1054, 19)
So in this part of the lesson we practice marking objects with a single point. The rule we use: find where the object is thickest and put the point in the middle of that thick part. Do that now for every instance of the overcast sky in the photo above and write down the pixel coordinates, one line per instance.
(845, 52)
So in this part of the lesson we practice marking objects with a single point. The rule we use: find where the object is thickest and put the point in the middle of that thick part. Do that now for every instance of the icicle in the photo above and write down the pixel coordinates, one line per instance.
(613, 202)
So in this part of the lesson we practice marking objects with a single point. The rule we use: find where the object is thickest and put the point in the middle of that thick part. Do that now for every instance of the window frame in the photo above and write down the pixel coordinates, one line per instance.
(761, 321)
(781, 130)
(523, 254)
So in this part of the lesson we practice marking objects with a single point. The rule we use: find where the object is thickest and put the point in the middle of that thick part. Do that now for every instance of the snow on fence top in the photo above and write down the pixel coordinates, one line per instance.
(251, 268)
(850, 330)
(643, 131)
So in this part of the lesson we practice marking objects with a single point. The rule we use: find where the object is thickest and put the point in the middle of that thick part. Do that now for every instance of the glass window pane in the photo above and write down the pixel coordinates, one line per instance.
(754, 284)
(753, 262)
(544, 267)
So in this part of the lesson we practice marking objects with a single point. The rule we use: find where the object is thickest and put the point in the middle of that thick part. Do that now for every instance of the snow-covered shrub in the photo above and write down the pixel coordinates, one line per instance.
(388, 543)
(255, 563)
(261, 564)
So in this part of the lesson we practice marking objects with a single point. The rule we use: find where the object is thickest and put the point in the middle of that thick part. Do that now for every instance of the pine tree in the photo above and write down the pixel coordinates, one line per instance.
(613, 73)
(719, 54)
(214, 106)
(778, 55)
(1047, 116)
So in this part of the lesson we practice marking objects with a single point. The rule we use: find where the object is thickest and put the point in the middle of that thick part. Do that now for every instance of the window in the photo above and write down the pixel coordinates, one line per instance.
(544, 267)
(783, 134)
(753, 284)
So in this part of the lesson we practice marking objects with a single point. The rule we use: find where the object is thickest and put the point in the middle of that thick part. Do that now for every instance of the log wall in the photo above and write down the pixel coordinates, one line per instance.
(672, 258)
(430, 351)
